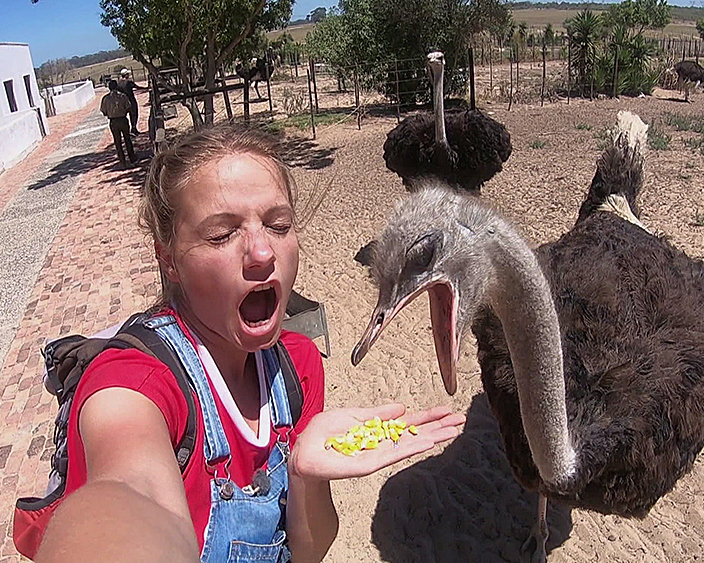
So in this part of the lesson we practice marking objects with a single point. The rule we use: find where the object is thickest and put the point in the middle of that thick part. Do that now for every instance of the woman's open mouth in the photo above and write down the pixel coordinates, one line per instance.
(258, 308)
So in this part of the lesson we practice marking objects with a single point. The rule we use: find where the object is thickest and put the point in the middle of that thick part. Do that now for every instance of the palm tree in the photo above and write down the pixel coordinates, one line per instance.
(583, 31)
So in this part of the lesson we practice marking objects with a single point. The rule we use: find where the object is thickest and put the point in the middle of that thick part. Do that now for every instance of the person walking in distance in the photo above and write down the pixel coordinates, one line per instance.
(127, 86)
(115, 106)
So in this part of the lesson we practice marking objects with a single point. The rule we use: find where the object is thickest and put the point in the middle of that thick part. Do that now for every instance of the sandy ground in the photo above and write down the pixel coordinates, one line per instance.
(461, 503)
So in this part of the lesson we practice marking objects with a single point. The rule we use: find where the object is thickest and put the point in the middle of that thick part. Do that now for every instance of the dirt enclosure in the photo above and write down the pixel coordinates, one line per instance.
(461, 503)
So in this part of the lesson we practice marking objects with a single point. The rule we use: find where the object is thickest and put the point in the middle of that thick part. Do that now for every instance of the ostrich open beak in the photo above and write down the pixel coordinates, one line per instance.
(443, 316)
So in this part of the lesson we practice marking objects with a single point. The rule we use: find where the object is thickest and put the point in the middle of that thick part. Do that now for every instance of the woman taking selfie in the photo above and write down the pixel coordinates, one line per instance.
(220, 208)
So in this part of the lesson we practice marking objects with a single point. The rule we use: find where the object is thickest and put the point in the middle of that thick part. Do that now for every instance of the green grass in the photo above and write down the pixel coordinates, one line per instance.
(538, 144)
(657, 139)
(684, 122)
(583, 126)
(603, 138)
(694, 143)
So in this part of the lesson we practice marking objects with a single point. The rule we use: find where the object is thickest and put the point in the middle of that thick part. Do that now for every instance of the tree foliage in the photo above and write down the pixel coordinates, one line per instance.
(700, 28)
(196, 36)
(612, 46)
(373, 34)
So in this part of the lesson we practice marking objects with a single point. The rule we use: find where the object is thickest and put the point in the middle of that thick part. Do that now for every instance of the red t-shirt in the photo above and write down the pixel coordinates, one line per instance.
(135, 370)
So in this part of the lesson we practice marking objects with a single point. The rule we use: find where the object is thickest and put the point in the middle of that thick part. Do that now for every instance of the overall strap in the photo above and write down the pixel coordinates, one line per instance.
(278, 394)
(215, 442)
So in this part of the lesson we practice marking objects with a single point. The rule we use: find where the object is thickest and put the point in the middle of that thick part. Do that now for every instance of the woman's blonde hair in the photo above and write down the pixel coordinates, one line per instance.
(171, 170)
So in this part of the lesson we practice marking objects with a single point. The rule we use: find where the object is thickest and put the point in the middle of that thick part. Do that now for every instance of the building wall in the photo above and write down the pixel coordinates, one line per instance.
(73, 98)
(19, 135)
(20, 130)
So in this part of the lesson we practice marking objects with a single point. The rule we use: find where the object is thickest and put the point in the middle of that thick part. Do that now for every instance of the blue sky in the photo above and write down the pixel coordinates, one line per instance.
(64, 28)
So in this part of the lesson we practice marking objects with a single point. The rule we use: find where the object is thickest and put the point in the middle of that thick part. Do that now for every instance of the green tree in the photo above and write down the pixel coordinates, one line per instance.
(317, 15)
(583, 31)
(196, 36)
(549, 34)
(700, 28)
(373, 33)
(635, 16)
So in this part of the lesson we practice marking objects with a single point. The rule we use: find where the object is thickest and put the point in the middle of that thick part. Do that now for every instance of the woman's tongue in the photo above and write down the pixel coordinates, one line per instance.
(256, 309)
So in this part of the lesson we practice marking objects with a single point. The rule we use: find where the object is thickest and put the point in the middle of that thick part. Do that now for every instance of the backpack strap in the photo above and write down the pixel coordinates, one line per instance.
(134, 334)
(292, 381)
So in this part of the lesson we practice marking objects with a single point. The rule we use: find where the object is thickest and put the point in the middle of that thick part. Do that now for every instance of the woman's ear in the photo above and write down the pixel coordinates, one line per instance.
(166, 259)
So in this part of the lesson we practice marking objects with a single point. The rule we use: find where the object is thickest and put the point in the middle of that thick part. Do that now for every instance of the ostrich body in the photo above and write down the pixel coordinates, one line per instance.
(688, 73)
(591, 348)
(462, 148)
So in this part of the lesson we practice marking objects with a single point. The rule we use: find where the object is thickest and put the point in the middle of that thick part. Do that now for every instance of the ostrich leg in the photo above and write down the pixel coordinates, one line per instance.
(538, 535)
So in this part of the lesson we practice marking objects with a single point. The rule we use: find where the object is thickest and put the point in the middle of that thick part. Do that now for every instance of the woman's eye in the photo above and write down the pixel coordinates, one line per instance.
(280, 228)
(220, 239)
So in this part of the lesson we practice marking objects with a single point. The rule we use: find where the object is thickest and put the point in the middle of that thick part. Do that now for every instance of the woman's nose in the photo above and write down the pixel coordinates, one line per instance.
(259, 252)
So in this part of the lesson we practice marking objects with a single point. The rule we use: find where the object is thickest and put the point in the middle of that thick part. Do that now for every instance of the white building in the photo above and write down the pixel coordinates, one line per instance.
(71, 96)
(22, 116)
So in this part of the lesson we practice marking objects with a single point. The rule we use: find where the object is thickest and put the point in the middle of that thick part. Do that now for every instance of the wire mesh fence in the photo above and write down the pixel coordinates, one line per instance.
(310, 94)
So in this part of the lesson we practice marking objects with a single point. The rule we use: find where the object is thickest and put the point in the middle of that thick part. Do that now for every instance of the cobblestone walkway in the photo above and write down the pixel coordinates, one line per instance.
(71, 261)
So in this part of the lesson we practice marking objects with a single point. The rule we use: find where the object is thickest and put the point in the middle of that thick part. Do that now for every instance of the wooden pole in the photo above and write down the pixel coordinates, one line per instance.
(268, 81)
(226, 96)
(398, 97)
(510, 71)
(246, 100)
(472, 96)
(356, 99)
(569, 69)
(491, 70)
(615, 92)
(310, 104)
(542, 88)
(311, 65)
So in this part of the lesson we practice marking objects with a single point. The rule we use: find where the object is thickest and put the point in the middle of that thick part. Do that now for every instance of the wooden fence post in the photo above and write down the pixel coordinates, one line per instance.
(226, 95)
(356, 98)
(615, 92)
(491, 70)
(472, 95)
(310, 104)
(542, 88)
(510, 71)
(398, 97)
(569, 69)
(246, 100)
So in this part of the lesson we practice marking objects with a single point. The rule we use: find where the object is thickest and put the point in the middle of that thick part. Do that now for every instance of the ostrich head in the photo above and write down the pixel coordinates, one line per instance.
(435, 242)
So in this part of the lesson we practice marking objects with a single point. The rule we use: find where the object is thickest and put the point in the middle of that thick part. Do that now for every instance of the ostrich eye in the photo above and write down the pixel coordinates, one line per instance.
(422, 252)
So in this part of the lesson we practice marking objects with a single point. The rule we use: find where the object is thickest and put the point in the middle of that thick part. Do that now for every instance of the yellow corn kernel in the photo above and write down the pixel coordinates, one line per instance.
(393, 434)
(356, 428)
(401, 425)
(372, 444)
(413, 430)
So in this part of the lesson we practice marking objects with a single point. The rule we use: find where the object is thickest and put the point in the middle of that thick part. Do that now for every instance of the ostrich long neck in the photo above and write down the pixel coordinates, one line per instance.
(439, 105)
(521, 298)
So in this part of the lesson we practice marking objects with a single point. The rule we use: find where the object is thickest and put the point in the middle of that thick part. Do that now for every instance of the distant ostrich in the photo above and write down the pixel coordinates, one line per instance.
(689, 75)
(463, 148)
(591, 348)
(256, 73)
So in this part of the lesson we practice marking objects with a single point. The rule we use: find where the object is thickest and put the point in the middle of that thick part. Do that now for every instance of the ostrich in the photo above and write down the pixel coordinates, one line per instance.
(463, 148)
(688, 73)
(256, 73)
(591, 348)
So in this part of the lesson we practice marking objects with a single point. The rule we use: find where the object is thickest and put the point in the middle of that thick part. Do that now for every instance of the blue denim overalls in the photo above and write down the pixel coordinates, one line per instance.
(245, 525)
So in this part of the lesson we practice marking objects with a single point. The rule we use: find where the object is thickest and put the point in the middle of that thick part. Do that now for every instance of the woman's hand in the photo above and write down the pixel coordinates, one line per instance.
(310, 459)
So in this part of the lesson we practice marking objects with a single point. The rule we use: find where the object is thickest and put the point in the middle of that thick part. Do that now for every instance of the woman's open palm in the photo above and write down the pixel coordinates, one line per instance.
(310, 458)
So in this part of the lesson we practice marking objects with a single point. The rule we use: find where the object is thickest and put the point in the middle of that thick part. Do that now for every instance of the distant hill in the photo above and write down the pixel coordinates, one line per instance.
(99, 57)
(678, 12)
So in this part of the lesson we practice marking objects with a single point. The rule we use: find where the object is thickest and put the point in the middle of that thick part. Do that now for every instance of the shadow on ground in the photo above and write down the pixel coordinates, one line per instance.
(463, 505)
(106, 161)
(299, 152)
